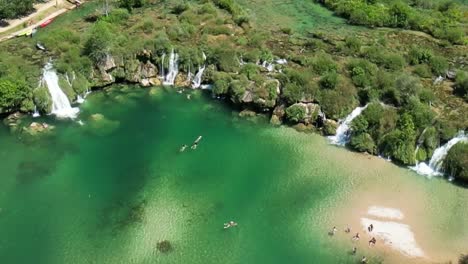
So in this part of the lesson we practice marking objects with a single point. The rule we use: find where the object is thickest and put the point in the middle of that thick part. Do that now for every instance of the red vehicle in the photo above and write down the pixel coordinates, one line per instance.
(47, 22)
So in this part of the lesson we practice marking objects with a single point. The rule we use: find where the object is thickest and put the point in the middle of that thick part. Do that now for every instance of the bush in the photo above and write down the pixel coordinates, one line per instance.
(362, 143)
(42, 99)
(362, 72)
(295, 113)
(323, 63)
(393, 62)
(221, 83)
(422, 71)
(12, 93)
(353, 44)
(329, 81)
(456, 162)
(418, 55)
(97, 47)
(461, 84)
(439, 65)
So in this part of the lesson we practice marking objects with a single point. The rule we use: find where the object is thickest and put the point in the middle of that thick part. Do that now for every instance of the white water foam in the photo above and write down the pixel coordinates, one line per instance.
(61, 106)
(434, 168)
(342, 136)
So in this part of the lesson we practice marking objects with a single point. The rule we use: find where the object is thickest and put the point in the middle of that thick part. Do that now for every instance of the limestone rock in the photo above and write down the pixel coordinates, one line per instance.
(329, 127)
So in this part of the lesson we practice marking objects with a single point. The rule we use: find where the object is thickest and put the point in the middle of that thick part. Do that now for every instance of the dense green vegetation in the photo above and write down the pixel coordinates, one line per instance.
(16, 8)
(442, 19)
(335, 72)
(456, 162)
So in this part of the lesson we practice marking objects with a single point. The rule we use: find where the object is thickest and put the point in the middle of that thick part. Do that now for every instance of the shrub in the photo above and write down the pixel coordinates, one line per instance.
(295, 113)
(438, 65)
(97, 47)
(393, 62)
(418, 55)
(42, 99)
(456, 162)
(422, 71)
(362, 72)
(353, 44)
(250, 70)
(461, 84)
(323, 63)
(362, 143)
(329, 81)
(12, 93)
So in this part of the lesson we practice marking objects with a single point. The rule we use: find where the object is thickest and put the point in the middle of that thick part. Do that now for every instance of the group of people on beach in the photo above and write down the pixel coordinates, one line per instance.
(194, 145)
(356, 237)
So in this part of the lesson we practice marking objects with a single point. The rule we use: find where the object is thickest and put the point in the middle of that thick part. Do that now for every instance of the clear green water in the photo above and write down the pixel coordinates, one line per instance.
(108, 192)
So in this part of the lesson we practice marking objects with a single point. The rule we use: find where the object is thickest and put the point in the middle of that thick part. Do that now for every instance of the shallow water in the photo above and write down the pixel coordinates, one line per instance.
(108, 191)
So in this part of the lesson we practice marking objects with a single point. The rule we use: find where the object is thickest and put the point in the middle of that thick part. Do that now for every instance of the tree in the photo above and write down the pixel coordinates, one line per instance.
(97, 47)
(15, 8)
(456, 162)
(295, 113)
(12, 93)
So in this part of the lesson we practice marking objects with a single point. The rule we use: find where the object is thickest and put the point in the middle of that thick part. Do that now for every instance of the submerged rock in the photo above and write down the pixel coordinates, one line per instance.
(37, 128)
(13, 121)
(329, 127)
(100, 125)
(164, 246)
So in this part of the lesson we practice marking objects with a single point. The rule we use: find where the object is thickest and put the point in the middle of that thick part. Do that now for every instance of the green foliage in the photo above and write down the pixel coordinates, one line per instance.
(130, 4)
(393, 62)
(12, 93)
(399, 144)
(323, 63)
(423, 71)
(225, 59)
(421, 114)
(42, 99)
(456, 162)
(338, 102)
(117, 16)
(439, 65)
(362, 72)
(329, 81)
(363, 143)
(406, 86)
(461, 84)
(297, 86)
(250, 70)
(98, 45)
(222, 81)
(353, 44)
(418, 55)
(295, 113)
(15, 8)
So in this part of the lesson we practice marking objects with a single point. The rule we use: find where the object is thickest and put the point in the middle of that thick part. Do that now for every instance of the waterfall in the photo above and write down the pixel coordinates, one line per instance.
(342, 136)
(60, 105)
(419, 143)
(80, 99)
(435, 164)
(36, 113)
(198, 78)
(162, 65)
(173, 69)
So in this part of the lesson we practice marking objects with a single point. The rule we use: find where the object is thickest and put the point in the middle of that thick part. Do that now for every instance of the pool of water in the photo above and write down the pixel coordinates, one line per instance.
(111, 189)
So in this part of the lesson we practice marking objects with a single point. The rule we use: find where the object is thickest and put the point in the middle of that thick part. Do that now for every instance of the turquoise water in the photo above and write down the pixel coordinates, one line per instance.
(109, 190)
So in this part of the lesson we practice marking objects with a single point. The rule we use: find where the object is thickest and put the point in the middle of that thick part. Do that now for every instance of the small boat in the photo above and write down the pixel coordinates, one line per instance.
(198, 139)
(27, 32)
(47, 22)
(39, 46)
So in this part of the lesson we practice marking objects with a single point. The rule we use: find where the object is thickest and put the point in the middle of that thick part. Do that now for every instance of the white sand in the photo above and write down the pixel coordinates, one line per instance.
(385, 212)
(397, 235)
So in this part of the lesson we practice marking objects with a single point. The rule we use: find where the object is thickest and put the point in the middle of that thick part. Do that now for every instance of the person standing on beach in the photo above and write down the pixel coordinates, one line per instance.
(356, 237)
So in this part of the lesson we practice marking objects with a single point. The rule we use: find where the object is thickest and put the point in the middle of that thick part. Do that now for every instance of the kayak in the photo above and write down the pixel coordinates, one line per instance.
(47, 22)
(25, 33)
(40, 46)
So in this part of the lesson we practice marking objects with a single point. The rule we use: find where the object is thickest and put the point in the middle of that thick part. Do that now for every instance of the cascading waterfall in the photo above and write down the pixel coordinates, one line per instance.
(80, 99)
(173, 69)
(419, 143)
(435, 164)
(36, 113)
(162, 65)
(60, 104)
(198, 78)
(342, 136)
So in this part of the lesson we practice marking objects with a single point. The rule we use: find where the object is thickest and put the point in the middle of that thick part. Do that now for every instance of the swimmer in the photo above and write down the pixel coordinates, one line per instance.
(356, 237)
(182, 149)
